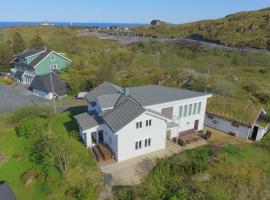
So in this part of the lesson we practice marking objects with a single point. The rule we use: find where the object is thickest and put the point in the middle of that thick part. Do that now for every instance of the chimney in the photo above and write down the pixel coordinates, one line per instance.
(126, 92)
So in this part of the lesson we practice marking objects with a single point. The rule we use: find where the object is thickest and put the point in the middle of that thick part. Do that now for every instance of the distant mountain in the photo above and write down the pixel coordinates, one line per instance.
(243, 29)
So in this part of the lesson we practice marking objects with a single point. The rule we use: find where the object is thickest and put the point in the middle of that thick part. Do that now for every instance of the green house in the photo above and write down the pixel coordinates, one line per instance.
(33, 62)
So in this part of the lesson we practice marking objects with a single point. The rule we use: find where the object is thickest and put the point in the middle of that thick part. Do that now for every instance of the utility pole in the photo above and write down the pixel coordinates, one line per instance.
(246, 58)
(54, 102)
(206, 80)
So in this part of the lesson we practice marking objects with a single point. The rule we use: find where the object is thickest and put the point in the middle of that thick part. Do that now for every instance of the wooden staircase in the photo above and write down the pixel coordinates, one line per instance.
(102, 152)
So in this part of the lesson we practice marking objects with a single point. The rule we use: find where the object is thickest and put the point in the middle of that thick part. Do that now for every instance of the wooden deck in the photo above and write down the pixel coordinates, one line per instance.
(189, 137)
(102, 152)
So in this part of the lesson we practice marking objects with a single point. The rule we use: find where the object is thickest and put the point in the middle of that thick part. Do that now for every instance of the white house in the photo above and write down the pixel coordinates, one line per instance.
(136, 121)
(244, 120)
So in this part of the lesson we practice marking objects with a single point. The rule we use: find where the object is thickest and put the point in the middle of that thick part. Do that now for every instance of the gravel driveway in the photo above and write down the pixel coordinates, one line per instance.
(12, 98)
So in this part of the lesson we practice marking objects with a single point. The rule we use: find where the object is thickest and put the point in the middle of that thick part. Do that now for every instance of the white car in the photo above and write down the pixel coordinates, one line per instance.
(81, 95)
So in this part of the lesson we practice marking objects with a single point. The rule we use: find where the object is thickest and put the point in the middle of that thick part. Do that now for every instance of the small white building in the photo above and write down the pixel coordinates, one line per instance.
(244, 120)
(136, 121)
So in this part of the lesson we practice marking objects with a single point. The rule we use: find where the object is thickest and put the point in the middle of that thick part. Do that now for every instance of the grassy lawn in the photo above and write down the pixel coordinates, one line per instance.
(223, 171)
(17, 154)
(11, 168)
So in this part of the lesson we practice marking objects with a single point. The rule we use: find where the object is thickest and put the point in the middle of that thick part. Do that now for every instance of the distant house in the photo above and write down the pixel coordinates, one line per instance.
(33, 62)
(6, 192)
(156, 22)
(244, 120)
(48, 86)
(136, 121)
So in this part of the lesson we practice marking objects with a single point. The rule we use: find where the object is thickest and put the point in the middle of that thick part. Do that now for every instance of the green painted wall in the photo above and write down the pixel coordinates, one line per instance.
(44, 67)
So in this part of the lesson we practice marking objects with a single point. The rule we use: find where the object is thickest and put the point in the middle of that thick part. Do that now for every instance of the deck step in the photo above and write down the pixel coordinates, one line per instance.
(105, 152)
(97, 154)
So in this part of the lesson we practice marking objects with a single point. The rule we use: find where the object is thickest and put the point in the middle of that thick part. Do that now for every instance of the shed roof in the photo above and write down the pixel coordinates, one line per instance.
(155, 94)
(43, 83)
(88, 120)
(234, 110)
(6, 192)
(29, 52)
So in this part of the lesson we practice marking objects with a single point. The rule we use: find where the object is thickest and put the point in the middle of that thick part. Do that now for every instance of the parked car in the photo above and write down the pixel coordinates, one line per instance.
(81, 95)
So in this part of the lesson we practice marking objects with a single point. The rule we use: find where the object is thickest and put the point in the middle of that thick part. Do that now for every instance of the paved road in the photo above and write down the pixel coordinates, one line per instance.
(131, 39)
(12, 98)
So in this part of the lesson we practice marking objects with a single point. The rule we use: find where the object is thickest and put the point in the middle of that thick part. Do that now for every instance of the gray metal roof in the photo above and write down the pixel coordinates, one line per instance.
(88, 120)
(108, 100)
(29, 52)
(43, 83)
(39, 58)
(6, 192)
(102, 89)
(154, 94)
(124, 112)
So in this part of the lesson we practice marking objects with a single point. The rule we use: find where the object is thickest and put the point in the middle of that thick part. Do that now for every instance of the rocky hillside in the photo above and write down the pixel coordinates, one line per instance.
(244, 29)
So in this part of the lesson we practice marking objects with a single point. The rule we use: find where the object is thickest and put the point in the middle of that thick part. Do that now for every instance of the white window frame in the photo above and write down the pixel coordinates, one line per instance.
(53, 57)
(148, 122)
(138, 125)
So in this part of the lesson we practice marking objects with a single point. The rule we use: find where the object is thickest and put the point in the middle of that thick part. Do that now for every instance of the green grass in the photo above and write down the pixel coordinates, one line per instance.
(241, 29)
(82, 162)
(12, 169)
(211, 172)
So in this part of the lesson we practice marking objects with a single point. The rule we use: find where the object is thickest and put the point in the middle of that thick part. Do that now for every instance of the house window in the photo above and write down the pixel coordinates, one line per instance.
(52, 57)
(190, 109)
(149, 142)
(180, 111)
(185, 110)
(148, 122)
(235, 124)
(210, 117)
(54, 66)
(138, 125)
(194, 108)
(140, 144)
(136, 145)
(199, 107)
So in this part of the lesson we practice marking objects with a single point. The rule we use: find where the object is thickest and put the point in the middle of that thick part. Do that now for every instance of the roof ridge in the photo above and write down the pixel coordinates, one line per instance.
(108, 112)
(112, 85)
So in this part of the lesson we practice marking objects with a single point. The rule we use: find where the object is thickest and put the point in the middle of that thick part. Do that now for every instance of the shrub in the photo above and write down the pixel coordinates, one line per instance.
(28, 176)
(262, 97)
(29, 127)
(29, 112)
(231, 149)
(197, 161)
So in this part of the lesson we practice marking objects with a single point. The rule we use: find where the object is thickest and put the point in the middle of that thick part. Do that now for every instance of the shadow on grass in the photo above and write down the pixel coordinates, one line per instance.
(71, 126)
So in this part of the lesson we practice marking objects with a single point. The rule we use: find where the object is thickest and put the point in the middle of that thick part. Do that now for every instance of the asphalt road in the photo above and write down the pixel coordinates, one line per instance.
(131, 39)
(13, 98)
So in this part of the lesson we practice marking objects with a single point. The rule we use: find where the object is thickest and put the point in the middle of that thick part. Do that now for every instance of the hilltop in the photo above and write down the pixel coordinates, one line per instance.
(243, 29)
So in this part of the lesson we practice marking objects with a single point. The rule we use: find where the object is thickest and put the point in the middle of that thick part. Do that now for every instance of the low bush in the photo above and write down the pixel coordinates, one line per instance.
(31, 127)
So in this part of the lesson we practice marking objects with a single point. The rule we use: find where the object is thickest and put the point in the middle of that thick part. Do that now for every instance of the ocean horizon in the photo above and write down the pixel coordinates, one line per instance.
(66, 24)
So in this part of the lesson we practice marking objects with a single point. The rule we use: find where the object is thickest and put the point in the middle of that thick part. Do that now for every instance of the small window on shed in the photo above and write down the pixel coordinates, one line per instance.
(210, 117)
(53, 57)
(235, 124)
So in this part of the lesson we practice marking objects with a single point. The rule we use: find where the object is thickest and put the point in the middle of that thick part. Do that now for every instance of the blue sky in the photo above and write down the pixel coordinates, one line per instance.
(174, 11)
